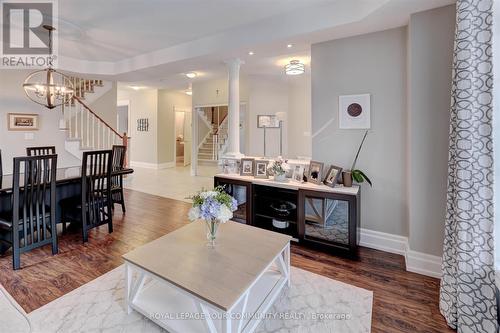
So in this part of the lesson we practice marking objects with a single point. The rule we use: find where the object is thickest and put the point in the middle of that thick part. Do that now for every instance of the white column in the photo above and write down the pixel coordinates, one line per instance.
(233, 149)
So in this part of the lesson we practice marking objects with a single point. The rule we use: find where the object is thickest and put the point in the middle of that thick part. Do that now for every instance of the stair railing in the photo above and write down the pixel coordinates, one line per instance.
(215, 147)
(93, 131)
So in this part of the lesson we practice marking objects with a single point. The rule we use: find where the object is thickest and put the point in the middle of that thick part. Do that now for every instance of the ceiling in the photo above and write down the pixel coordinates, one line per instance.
(154, 42)
(115, 30)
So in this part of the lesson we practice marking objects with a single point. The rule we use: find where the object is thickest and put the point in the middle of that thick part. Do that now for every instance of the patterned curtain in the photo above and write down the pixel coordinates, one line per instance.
(467, 295)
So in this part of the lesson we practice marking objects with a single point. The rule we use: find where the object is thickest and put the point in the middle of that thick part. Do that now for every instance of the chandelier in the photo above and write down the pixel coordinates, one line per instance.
(48, 87)
(295, 67)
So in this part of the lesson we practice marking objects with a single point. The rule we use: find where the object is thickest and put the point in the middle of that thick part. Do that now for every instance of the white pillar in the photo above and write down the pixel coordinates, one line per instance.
(233, 149)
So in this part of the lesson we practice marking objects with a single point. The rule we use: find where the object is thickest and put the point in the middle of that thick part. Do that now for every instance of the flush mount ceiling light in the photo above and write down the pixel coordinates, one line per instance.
(295, 67)
(251, 53)
(289, 46)
(48, 87)
(191, 75)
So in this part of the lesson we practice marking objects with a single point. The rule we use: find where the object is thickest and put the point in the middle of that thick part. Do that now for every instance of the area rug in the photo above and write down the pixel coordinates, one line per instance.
(313, 304)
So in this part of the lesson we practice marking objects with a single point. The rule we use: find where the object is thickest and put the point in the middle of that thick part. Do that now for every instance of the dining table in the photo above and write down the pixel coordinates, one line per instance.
(68, 184)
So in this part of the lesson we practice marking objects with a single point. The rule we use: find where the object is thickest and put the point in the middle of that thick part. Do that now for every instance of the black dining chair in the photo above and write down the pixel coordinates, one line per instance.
(93, 207)
(37, 151)
(117, 181)
(32, 222)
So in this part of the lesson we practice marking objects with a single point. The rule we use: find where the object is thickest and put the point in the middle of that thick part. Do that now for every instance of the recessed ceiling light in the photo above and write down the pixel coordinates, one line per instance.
(136, 87)
(289, 45)
(251, 53)
(189, 92)
(191, 75)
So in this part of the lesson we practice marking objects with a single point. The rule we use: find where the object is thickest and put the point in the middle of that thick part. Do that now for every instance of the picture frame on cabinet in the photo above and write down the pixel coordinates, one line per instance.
(261, 169)
(315, 172)
(332, 176)
(247, 167)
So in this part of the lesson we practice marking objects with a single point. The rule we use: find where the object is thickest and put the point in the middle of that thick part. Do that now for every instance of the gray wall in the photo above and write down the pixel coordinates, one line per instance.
(407, 71)
(375, 64)
(430, 51)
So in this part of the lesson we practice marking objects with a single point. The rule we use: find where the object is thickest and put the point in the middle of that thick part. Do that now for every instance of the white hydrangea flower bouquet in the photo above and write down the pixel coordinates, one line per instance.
(213, 207)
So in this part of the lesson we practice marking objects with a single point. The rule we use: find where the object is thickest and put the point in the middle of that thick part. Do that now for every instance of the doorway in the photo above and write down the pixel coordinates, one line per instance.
(122, 117)
(182, 137)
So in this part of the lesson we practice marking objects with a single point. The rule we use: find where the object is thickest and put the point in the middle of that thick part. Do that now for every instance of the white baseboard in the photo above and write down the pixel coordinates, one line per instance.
(137, 164)
(166, 165)
(416, 262)
(423, 263)
(382, 241)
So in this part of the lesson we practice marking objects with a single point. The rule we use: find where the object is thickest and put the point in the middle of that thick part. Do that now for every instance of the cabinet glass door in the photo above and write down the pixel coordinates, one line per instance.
(239, 192)
(326, 220)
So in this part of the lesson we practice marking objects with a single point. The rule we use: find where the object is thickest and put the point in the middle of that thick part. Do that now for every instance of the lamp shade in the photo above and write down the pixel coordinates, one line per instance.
(281, 116)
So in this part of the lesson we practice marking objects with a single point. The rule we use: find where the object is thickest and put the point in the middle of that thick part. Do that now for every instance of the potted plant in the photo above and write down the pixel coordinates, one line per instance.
(356, 174)
(278, 170)
(213, 207)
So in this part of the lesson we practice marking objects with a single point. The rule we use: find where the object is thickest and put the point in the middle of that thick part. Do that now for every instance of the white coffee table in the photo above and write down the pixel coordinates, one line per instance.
(185, 286)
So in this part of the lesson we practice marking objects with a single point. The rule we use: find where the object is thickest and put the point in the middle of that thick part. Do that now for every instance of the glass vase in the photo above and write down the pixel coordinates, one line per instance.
(212, 227)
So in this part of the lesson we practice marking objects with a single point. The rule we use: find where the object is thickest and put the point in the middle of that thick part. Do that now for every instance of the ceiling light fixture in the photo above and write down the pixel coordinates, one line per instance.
(136, 87)
(251, 53)
(48, 87)
(191, 75)
(189, 92)
(295, 67)
(289, 46)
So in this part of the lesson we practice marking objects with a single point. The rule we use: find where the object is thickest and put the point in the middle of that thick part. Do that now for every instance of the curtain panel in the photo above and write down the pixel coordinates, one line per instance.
(467, 294)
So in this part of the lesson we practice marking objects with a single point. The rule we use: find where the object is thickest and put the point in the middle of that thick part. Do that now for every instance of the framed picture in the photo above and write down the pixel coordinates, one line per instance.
(333, 176)
(229, 166)
(354, 111)
(261, 169)
(315, 172)
(143, 124)
(22, 122)
(247, 167)
(268, 121)
(298, 173)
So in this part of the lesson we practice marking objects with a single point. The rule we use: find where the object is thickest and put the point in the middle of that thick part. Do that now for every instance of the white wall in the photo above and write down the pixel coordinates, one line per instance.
(154, 148)
(299, 116)
(266, 94)
(13, 99)
(374, 64)
(142, 104)
(167, 100)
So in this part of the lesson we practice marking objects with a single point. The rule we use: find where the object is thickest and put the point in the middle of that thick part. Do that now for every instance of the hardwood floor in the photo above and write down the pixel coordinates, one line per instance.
(403, 301)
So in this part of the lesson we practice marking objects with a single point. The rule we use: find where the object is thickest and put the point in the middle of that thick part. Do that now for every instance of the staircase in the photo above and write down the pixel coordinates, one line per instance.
(85, 129)
(215, 142)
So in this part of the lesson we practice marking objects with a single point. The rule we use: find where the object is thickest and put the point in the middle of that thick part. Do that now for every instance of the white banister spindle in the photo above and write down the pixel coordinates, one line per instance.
(88, 129)
(76, 120)
(70, 128)
(81, 123)
(93, 131)
(103, 128)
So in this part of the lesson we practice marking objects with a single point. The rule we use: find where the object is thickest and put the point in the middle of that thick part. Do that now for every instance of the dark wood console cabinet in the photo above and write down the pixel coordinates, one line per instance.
(315, 215)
